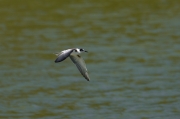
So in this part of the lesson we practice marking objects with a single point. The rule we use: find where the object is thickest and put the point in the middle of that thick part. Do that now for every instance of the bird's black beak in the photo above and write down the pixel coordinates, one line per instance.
(85, 51)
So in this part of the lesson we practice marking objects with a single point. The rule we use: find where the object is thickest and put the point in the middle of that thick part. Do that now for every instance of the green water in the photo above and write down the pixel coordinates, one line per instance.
(133, 59)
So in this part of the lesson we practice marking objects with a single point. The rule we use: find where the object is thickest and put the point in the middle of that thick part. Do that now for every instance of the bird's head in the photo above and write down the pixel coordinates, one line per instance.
(82, 50)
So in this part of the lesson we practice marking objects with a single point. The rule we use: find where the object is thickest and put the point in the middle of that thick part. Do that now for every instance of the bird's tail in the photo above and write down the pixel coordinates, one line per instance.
(57, 53)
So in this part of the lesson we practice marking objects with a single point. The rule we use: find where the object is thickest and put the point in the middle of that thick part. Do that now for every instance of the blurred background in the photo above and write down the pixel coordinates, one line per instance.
(133, 59)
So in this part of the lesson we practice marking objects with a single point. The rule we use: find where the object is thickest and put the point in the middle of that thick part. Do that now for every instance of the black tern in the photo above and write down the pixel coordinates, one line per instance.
(76, 59)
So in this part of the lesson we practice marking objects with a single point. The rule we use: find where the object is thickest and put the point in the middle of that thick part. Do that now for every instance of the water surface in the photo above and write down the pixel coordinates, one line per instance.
(133, 59)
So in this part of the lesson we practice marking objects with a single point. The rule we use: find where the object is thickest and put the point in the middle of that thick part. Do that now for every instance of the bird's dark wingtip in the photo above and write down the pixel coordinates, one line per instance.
(87, 79)
(56, 61)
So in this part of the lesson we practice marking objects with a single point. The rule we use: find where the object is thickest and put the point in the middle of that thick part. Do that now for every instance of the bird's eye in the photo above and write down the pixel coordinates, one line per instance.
(81, 49)
(75, 50)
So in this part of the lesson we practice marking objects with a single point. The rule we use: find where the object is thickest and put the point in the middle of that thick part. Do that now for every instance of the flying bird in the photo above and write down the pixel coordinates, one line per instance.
(73, 53)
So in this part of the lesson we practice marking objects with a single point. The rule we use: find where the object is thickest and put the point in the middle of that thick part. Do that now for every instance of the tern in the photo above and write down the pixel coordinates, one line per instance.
(73, 53)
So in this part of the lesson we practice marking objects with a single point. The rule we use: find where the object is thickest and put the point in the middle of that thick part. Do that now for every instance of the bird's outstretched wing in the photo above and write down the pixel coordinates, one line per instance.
(63, 55)
(80, 65)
